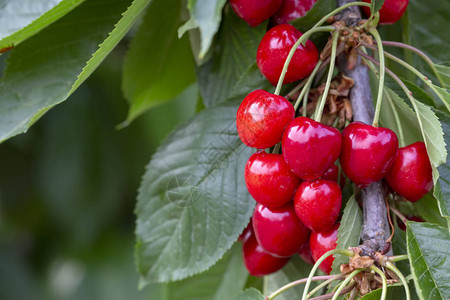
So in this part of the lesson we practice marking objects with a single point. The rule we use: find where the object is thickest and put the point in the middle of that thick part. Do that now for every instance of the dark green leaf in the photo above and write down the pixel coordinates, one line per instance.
(193, 202)
(429, 254)
(348, 232)
(205, 15)
(232, 65)
(250, 294)
(375, 5)
(21, 19)
(46, 69)
(154, 74)
(399, 248)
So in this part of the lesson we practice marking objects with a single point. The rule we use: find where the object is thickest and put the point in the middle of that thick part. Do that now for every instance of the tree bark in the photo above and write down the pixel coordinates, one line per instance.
(375, 229)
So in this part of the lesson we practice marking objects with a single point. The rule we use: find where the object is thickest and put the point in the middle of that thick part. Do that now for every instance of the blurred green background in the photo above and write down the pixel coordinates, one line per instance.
(68, 189)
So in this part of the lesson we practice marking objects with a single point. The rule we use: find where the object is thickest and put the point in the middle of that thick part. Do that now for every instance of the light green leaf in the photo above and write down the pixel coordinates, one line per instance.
(155, 74)
(444, 73)
(193, 202)
(21, 19)
(375, 5)
(232, 63)
(429, 254)
(250, 294)
(206, 16)
(46, 69)
(349, 231)
(444, 96)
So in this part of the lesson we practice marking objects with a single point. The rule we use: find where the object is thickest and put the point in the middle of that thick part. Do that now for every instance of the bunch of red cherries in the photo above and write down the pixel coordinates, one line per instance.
(299, 191)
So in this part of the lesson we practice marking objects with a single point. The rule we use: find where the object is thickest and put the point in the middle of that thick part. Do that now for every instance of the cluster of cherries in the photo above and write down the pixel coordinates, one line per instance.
(299, 191)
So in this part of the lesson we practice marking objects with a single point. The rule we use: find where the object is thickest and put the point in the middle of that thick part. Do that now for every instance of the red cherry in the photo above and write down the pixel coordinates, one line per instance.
(322, 242)
(246, 232)
(291, 10)
(254, 12)
(274, 49)
(332, 174)
(390, 12)
(278, 230)
(305, 254)
(367, 152)
(262, 118)
(318, 203)
(310, 148)
(269, 179)
(257, 261)
(402, 225)
(411, 175)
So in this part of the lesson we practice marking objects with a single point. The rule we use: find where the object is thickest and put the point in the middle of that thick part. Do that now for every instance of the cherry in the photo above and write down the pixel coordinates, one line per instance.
(279, 230)
(390, 12)
(269, 179)
(262, 118)
(332, 174)
(310, 147)
(257, 261)
(291, 10)
(246, 232)
(322, 242)
(367, 152)
(305, 254)
(318, 203)
(411, 175)
(254, 12)
(274, 49)
(402, 225)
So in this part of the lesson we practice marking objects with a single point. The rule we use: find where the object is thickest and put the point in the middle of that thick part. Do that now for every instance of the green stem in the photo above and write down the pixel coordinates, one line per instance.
(328, 296)
(323, 284)
(377, 36)
(276, 149)
(383, 278)
(323, 99)
(401, 137)
(307, 85)
(339, 9)
(348, 253)
(391, 266)
(295, 283)
(302, 39)
(346, 281)
(305, 102)
(397, 258)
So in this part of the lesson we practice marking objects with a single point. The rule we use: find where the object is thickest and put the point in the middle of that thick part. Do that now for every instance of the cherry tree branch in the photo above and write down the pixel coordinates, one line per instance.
(375, 229)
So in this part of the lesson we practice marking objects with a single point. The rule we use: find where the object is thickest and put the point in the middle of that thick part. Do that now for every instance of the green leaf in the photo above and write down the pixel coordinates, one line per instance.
(444, 73)
(46, 69)
(206, 16)
(21, 19)
(250, 294)
(349, 231)
(222, 282)
(426, 208)
(375, 5)
(193, 202)
(429, 254)
(394, 292)
(444, 95)
(294, 270)
(155, 74)
(232, 64)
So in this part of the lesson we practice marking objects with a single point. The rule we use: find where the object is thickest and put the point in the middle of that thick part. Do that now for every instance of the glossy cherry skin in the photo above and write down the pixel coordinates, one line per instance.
(368, 152)
(254, 12)
(261, 119)
(411, 175)
(305, 253)
(310, 147)
(402, 225)
(318, 203)
(269, 179)
(274, 49)
(291, 10)
(322, 242)
(246, 232)
(332, 174)
(390, 12)
(279, 230)
(257, 261)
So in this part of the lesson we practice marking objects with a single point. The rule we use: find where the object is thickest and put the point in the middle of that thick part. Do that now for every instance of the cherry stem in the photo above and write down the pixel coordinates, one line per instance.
(399, 214)
(330, 295)
(298, 282)
(422, 54)
(348, 253)
(296, 89)
(345, 282)
(305, 102)
(377, 36)
(383, 278)
(397, 258)
(276, 149)
(307, 85)
(302, 39)
(339, 9)
(413, 70)
(323, 284)
(397, 272)
(323, 99)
